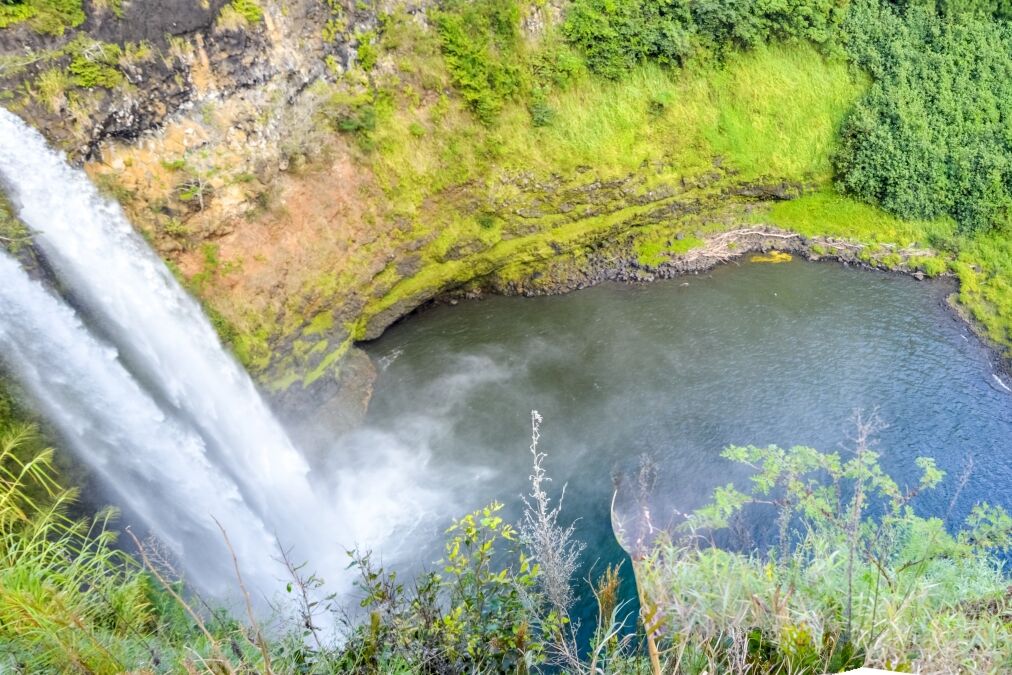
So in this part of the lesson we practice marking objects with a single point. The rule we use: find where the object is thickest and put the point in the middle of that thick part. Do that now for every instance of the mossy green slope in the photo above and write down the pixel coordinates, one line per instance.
(507, 198)
(483, 197)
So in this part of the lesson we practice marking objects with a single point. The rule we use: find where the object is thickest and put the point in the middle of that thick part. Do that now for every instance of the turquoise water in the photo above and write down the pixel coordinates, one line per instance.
(748, 354)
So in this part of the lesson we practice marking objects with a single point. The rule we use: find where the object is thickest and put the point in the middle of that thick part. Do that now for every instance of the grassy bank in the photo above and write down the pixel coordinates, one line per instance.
(477, 198)
(559, 162)
(982, 263)
(770, 112)
(506, 197)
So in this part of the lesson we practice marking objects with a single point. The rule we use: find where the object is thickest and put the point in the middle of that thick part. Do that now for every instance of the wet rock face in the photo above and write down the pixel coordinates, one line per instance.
(237, 59)
(169, 57)
(153, 20)
(166, 88)
(334, 405)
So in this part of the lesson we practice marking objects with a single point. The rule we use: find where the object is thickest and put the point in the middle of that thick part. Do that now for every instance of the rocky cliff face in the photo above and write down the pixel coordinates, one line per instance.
(132, 66)
(242, 139)
(190, 112)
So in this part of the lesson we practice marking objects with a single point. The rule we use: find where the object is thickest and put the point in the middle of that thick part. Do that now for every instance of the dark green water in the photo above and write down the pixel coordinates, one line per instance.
(749, 354)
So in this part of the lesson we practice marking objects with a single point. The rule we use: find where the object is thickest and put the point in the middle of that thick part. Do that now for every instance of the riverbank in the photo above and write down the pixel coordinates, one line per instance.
(618, 261)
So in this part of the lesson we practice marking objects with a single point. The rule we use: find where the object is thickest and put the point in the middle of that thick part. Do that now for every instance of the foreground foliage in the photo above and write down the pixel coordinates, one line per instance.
(70, 599)
(851, 576)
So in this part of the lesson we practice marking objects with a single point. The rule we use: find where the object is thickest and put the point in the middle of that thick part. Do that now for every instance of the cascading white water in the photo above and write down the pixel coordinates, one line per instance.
(100, 408)
(143, 389)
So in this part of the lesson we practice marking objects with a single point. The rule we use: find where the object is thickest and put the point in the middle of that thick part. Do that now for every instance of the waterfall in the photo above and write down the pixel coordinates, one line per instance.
(120, 431)
(138, 385)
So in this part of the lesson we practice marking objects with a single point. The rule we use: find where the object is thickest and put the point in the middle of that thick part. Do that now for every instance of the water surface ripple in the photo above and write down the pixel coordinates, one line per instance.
(748, 354)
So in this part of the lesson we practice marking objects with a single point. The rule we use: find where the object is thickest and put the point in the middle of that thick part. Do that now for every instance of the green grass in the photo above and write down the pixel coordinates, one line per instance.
(240, 15)
(851, 580)
(828, 213)
(984, 268)
(249, 10)
(16, 13)
(920, 597)
(51, 87)
(770, 112)
(89, 72)
(610, 127)
(657, 246)
(773, 111)
(779, 109)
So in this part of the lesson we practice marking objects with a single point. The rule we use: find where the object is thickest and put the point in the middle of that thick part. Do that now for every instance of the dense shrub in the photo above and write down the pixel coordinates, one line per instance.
(481, 42)
(615, 36)
(931, 137)
(995, 8)
(477, 615)
(95, 64)
(51, 17)
(14, 11)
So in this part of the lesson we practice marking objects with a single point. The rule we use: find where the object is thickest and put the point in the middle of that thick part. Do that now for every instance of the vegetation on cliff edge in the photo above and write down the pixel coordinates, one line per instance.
(492, 128)
(49, 17)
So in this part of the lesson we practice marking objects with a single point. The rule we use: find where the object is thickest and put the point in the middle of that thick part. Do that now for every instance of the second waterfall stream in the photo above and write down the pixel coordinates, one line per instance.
(133, 378)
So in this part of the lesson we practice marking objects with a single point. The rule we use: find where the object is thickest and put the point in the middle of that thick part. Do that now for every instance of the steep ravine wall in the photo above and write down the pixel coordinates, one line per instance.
(133, 66)
(188, 111)
(211, 139)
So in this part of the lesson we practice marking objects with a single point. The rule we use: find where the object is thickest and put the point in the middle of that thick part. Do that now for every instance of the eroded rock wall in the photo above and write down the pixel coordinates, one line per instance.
(126, 72)
(234, 143)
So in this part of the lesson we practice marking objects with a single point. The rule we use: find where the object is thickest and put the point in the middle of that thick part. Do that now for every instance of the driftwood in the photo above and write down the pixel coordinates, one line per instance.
(724, 246)
(727, 245)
